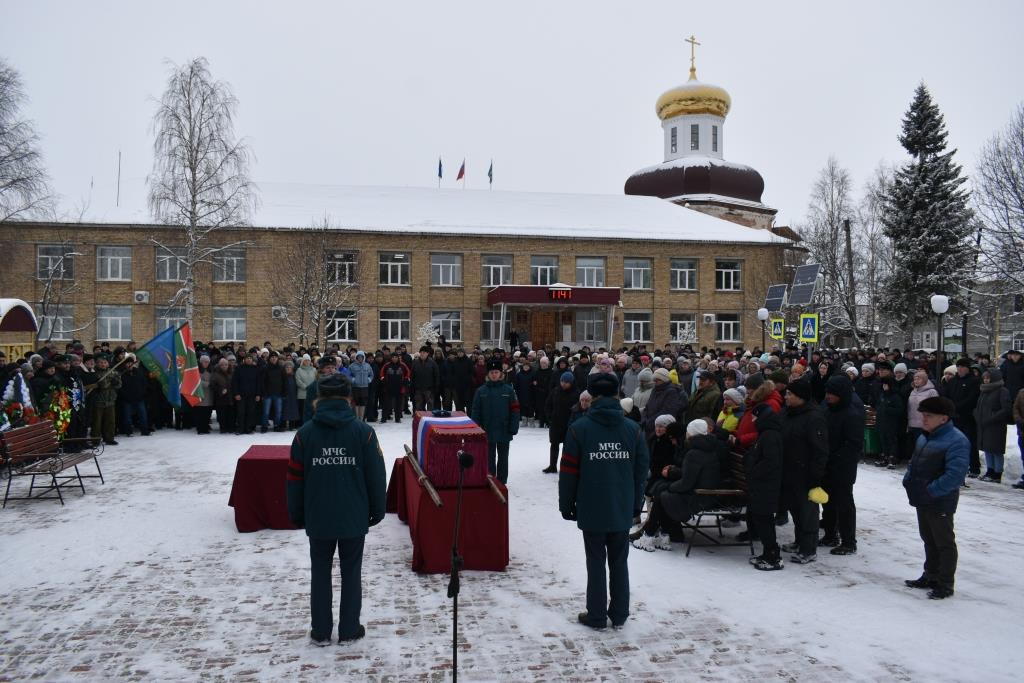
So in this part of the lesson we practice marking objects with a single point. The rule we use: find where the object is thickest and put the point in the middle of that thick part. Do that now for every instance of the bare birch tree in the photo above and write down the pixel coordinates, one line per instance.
(999, 198)
(55, 272)
(200, 177)
(24, 185)
(314, 282)
(874, 261)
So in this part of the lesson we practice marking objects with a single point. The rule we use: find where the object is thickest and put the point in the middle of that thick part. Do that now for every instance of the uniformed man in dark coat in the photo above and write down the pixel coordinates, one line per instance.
(336, 491)
(601, 482)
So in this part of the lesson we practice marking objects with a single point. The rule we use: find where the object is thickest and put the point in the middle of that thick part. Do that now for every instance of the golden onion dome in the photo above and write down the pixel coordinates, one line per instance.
(693, 97)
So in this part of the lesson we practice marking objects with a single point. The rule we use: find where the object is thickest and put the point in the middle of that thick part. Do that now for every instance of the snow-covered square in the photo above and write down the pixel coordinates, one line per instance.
(146, 578)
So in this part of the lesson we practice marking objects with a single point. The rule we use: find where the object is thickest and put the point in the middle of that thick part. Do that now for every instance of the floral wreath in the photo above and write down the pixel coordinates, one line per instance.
(16, 409)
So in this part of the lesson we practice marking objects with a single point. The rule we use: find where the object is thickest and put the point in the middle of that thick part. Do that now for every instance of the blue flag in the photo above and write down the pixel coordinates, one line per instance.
(158, 356)
(440, 169)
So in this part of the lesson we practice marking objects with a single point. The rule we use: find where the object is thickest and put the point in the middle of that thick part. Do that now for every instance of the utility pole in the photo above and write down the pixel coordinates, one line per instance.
(963, 321)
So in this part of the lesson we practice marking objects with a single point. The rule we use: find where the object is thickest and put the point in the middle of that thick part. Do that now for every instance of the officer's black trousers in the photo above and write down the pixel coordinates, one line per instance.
(321, 557)
(612, 548)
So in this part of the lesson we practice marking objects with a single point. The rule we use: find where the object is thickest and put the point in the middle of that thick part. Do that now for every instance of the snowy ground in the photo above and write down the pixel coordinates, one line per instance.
(146, 578)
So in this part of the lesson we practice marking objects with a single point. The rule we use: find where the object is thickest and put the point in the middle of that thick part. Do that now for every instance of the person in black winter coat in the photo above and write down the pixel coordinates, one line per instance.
(866, 385)
(844, 414)
(132, 396)
(763, 465)
(664, 400)
(582, 371)
(460, 374)
(822, 374)
(991, 416)
(805, 441)
(559, 405)
(541, 388)
(245, 385)
(662, 448)
(1013, 372)
(890, 414)
(523, 382)
(964, 390)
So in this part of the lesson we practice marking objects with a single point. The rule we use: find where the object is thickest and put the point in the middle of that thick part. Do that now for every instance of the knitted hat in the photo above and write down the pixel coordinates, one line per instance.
(734, 395)
(664, 421)
(951, 370)
(851, 371)
(645, 376)
(566, 377)
(870, 367)
(963, 362)
(937, 405)
(602, 384)
(900, 367)
(627, 405)
(801, 388)
(697, 428)
(662, 374)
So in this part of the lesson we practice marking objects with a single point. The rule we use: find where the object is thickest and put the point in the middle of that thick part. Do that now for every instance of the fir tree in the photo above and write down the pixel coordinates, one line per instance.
(927, 219)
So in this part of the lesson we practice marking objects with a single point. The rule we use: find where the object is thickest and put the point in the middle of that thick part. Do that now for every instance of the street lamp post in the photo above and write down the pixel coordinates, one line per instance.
(940, 304)
(762, 315)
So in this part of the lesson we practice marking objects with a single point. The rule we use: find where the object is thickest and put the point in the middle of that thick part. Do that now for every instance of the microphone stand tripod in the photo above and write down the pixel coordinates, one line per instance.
(465, 462)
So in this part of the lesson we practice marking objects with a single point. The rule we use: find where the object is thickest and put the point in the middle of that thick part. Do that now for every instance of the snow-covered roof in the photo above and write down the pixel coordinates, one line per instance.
(694, 160)
(23, 318)
(478, 212)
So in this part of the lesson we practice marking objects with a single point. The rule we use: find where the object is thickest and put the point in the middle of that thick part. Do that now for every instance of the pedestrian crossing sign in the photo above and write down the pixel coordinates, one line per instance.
(809, 327)
(778, 328)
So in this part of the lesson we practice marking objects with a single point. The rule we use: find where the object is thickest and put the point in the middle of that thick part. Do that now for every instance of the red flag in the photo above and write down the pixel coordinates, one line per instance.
(462, 171)
(188, 366)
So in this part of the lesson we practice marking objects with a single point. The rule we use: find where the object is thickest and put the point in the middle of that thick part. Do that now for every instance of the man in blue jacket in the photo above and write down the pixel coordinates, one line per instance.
(601, 482)
(932, 481)
(496, 411)
(336, 491)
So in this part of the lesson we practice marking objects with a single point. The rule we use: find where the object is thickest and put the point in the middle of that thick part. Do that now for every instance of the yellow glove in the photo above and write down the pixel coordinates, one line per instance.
(817, 495)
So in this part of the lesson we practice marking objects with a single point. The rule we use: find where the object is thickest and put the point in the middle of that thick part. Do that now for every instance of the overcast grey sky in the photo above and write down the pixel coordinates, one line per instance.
(560, 94)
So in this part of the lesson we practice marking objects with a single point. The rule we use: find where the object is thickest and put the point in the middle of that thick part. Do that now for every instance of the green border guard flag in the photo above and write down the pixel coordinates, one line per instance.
(777, 328)
(188, 366)
(809, 327)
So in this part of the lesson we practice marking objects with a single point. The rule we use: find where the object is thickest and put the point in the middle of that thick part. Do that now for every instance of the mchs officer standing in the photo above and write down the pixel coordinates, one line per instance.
(336, 491)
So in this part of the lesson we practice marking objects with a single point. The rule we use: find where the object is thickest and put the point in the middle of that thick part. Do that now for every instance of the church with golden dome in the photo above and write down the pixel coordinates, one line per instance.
(695, 173)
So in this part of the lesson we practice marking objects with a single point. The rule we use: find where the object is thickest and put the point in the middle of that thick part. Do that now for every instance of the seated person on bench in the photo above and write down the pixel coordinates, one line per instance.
(679, 503)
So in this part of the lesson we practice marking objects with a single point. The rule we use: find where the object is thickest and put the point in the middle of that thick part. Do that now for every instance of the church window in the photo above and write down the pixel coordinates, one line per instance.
(714, 138)
(672, 144)
(694, 137)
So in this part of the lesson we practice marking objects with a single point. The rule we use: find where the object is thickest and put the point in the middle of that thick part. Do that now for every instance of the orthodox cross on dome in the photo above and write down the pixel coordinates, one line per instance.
(692, 40)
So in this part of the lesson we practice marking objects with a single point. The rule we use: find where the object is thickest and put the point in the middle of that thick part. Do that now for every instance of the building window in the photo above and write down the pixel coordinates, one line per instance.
(637, 274)
(341, 267)
(683, 273)
(170, 264)
(55, 261)
(682, 328)
(727, 276)
(489, 325)
(448, 323)
(58, 325)
(591, 325)
(445, 270)
(113, 323)
(714, 138)
(727, 327)
(1018, 341)
(113, 263)
(229, 324)
(694, 137)
(636, 327)
(673, 144)
(394, 269)
(394, 326)
(229, 265)
(543, 270)
(341, 326)
(497, 270)
(589, 271)
(169, 317)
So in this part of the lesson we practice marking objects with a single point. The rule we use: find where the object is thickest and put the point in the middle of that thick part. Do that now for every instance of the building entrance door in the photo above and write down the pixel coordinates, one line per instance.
(542, 328)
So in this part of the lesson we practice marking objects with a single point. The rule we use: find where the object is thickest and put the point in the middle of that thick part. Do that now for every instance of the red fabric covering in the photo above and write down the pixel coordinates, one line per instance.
(483, 538)
(258, 492)
(440, 460)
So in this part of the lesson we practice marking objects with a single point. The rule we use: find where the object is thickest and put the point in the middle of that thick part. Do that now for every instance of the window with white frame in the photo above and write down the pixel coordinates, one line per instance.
(497, 270)
(727, 275)
(683, 273)
(57, 325)
(229, 324)
(169, 317)
(591, 325)
(394, 326)
(682, 327)
(114, 263)
(673, 144)
(113, 323)
(341, 267)
(589, 271)
(229, 265)
(543, 270)
(636, 327)
(1018, 341)
(341, 326)
(694, 137)
(170, 264)
(446, 270)
(490, 324)
(637, 273)
(714, 138)
(727, 327)
(448, 323)
(56, 261)
(394, 269)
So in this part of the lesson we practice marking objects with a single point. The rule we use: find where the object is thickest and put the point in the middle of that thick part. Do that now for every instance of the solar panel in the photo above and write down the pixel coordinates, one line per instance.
(802, 291)
(776, 298)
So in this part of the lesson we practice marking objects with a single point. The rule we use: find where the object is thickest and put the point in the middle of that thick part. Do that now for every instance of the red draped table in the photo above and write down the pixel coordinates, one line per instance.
(258, 492)
(483, 534)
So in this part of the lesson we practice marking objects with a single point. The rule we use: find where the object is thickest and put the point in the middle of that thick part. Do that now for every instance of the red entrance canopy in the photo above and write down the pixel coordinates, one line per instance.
(17, 316)
(553, 295)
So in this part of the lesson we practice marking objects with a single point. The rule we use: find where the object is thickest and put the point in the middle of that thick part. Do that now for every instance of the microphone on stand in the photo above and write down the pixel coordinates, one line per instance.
(465, 459)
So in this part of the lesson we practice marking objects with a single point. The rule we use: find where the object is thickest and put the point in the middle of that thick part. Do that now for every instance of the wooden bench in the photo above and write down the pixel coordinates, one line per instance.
(34, 451)
(730, 503)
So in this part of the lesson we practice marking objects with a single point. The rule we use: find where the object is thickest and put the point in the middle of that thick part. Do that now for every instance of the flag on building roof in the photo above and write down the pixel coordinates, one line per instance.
(440, 169)
(462, 171)
(158, 356)
(490, 173)
(188, 366)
